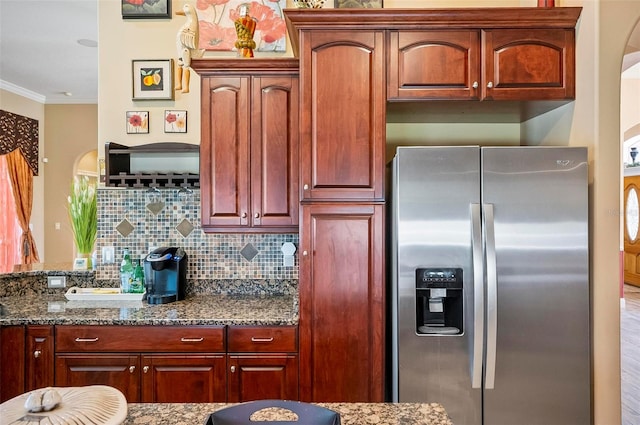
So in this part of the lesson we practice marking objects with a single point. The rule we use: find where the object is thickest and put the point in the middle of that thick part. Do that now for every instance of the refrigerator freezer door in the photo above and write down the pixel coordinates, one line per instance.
(434, 189)
(542, 363)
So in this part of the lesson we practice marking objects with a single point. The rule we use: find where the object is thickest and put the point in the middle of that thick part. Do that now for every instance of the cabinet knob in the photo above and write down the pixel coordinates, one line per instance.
(37, 353)
(490, 85)
(257, 215)
(132, 369)
(244, 215)
(305, 253)
(305, 187)
(475, 85)
(145, 369)
(233, 369)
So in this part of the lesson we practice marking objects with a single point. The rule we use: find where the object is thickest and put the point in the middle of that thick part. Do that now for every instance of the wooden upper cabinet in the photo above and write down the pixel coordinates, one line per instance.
(532, 64)
(342, 115)
(249, 146)
(434, 65)
(500, 64)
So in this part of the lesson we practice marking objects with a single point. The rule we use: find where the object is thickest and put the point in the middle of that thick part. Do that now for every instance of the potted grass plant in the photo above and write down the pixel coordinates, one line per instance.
(84, 219)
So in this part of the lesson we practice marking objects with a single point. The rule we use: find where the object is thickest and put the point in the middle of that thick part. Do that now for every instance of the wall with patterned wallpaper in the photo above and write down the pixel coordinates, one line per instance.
(140, 219)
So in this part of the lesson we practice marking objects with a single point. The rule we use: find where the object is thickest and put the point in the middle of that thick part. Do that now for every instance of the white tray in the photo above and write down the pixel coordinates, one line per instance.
(101, 294)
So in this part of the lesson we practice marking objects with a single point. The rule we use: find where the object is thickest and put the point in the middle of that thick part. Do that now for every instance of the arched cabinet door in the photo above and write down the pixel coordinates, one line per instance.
(537, 64)
(632, 230)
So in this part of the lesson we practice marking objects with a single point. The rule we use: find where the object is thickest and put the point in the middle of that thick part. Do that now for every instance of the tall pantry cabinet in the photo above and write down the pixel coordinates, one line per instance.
(342, 140)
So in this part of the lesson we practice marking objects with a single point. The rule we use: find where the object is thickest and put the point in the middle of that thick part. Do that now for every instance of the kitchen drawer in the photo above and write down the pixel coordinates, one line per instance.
(140, 338)
(263, 339)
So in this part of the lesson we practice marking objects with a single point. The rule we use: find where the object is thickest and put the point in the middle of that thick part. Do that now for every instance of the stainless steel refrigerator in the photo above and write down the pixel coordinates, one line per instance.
(490, 283)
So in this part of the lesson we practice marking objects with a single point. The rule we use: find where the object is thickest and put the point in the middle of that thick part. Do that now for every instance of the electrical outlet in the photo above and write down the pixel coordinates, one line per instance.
(108, 255)
(56, 281)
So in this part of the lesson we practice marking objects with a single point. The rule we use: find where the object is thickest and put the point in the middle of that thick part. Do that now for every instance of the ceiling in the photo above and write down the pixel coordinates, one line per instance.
(40, 57)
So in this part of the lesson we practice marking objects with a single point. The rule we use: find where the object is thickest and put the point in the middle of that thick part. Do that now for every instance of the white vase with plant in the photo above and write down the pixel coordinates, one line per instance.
(84, 219)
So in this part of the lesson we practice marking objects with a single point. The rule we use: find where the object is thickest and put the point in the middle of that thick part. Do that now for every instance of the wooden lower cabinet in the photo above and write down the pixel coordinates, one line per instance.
(148, 378)
(121, 371)
(262, 363)
(39, 353)
(263, 376)
(26, 359)
(183, 378)
(12, 356)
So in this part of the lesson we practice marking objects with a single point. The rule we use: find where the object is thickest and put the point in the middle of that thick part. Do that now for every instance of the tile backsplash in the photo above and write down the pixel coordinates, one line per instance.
(140, 219)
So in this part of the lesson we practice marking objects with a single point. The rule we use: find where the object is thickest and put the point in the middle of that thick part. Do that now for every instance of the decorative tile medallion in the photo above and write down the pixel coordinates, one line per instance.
(155, 207)
(185, 228)
(249, 252)
(125, 228)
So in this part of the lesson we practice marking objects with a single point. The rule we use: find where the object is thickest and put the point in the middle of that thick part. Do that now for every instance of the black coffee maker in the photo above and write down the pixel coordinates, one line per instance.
(165, 273)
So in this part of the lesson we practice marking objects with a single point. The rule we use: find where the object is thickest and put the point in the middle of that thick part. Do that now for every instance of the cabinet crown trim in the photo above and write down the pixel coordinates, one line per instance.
(499, 17)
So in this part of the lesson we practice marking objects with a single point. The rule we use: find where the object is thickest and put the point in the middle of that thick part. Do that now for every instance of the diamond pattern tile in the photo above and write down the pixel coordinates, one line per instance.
(249, 252)
(155, 207)
(125, 228)
(185, 228)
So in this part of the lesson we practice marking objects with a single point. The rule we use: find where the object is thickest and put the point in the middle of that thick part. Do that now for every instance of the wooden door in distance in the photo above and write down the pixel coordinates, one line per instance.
(631, 230)
(342, 303)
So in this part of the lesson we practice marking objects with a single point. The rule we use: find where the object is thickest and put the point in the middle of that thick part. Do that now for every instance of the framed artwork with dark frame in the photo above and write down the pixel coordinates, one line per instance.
(146, 9)
(357, 4)
(175, 121)
(152, 79)
(137, 122)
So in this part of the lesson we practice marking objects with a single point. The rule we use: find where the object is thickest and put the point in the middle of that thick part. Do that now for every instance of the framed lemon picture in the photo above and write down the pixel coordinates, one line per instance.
(152, 79)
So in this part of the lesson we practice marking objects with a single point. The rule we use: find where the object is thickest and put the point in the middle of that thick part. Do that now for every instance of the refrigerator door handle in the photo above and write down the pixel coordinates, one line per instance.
(492, 295)
(478, 297)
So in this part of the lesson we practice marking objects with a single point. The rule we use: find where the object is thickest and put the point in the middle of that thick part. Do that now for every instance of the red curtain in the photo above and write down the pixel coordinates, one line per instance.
(10, 230)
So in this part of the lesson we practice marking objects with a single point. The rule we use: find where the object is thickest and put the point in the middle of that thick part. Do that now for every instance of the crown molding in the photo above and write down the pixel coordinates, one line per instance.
(5, 85)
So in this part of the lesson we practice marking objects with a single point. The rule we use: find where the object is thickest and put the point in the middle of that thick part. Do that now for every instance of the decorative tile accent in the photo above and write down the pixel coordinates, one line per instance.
(249, 252)
(125, 228)
(212, 256)
(155, 207)
(185, 228)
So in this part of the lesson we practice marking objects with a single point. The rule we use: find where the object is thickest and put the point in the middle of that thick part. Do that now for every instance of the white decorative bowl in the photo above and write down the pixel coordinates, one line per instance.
(94, 404)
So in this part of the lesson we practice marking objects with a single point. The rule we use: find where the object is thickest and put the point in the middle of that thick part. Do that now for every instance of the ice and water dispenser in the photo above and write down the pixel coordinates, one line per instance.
(439, 301)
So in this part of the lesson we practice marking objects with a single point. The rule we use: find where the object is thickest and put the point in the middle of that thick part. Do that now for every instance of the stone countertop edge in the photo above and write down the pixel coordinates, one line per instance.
(247, 310)
(350, 413)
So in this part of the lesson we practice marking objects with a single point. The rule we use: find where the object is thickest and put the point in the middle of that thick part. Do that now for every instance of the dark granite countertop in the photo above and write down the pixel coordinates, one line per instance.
(350, 413)
(210, 309)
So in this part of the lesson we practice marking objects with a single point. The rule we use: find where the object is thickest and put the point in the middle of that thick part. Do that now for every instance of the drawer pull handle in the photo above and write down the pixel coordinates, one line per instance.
(233, 369)
(132, 369)
(254, 339)
(145, 369)
(37, 353)
(191, 339)
(87, 339)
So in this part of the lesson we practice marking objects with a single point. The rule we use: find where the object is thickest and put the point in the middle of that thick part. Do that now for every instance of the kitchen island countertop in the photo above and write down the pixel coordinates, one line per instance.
(350, 413)
(266, 310)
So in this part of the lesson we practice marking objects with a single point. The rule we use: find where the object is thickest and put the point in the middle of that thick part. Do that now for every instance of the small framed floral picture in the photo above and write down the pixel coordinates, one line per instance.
(137, 122)
(175, 121)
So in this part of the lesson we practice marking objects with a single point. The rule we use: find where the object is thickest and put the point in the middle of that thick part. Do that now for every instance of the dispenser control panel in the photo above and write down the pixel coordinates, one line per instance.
(450, 278)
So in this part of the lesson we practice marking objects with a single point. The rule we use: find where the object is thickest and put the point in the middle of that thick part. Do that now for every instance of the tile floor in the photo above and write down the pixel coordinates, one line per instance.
(630, 358)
